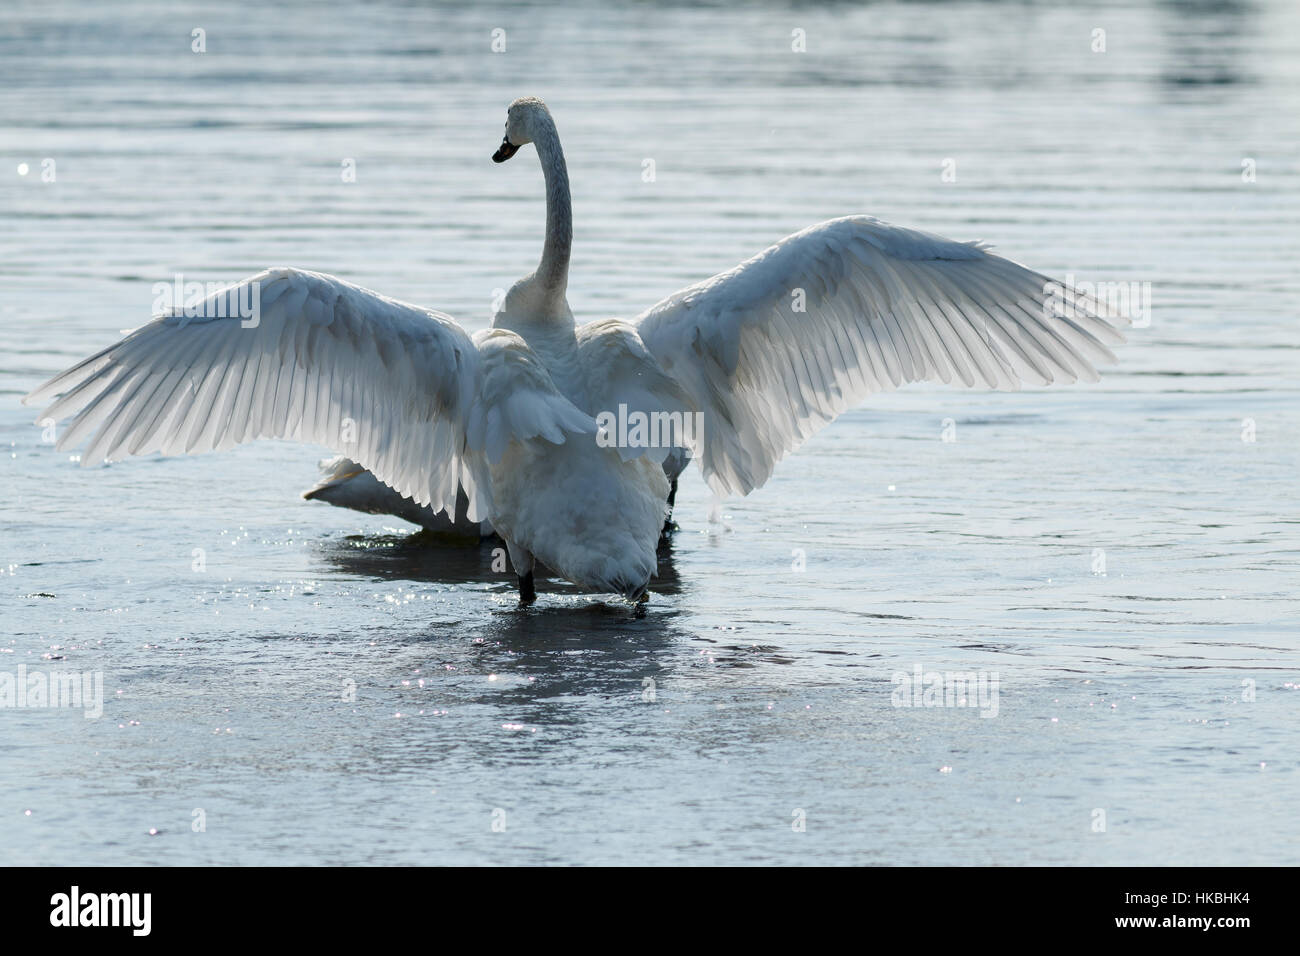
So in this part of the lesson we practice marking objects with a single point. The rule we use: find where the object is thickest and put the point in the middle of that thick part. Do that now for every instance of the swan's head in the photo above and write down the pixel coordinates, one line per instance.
(521, 123)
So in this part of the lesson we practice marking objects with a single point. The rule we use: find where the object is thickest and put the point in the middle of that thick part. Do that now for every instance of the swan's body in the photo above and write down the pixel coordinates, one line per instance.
(765, 354)
(346, 484)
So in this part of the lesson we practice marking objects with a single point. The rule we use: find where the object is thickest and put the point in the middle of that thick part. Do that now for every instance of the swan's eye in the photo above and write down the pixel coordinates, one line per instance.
(506, 150)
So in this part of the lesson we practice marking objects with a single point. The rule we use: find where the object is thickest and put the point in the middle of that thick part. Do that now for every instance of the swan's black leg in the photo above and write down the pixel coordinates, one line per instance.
(669, 527)
(527, 593)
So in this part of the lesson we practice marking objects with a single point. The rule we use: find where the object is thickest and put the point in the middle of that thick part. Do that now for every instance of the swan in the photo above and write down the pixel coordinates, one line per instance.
(347, 484)
(520, 417)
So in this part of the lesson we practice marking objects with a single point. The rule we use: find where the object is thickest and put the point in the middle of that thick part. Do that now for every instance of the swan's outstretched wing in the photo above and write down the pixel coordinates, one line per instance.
(774, 349)
(297, 355)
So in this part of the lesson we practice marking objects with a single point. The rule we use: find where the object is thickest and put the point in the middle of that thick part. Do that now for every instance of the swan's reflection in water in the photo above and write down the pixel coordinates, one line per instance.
(571, 643)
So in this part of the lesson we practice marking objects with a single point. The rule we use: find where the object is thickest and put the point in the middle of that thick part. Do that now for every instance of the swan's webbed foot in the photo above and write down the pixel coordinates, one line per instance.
(527, 592)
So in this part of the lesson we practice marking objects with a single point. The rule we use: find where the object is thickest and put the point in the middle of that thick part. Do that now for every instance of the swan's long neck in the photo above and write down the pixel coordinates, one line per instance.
(553, 271)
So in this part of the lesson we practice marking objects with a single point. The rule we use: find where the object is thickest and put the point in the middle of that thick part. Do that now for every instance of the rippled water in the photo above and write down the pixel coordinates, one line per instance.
(1117, 555)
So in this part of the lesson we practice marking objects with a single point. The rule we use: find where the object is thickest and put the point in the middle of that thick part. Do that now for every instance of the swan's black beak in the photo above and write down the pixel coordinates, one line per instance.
(507, 150)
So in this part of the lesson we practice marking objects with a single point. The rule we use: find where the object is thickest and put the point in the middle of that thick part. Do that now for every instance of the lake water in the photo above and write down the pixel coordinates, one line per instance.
(1122, 558)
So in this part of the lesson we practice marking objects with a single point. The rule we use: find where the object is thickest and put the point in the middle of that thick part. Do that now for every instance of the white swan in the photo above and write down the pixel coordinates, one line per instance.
(346, 484)
(766, 354)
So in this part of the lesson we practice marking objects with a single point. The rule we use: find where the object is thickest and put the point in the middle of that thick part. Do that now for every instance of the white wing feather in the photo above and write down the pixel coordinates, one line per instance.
(882, 306)
(618, 371)
(393, 386)
(517, 399)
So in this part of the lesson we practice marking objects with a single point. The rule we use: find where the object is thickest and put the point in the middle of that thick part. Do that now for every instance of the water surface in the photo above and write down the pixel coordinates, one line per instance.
(325, 692)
